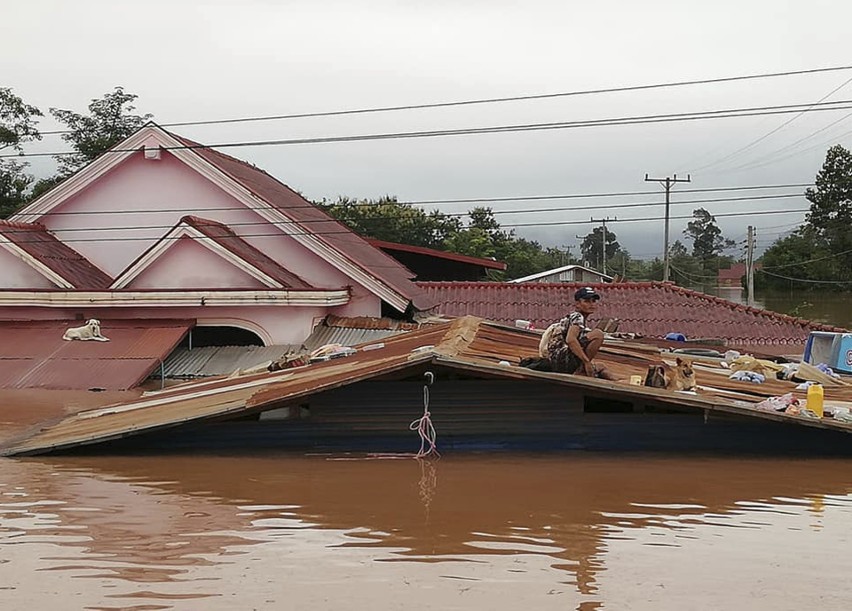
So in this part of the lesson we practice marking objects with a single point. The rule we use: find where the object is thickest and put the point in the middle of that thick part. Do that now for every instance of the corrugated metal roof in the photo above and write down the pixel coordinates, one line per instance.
(439, 254)
(346, 336)
(466, 346)
(43, 246)
(40, 358)
(212, 361)
(226, 238)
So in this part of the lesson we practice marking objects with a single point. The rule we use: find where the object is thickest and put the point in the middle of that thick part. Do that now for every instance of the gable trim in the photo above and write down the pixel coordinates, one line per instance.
(35, 263)
(144, 137)
(172, 238)
(175, 298)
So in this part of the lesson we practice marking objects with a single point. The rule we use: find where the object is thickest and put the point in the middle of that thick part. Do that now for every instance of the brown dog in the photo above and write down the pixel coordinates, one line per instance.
(679, 377)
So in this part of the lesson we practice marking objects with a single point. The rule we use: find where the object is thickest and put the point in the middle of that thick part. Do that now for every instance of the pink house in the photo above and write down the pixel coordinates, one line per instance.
(162, 228)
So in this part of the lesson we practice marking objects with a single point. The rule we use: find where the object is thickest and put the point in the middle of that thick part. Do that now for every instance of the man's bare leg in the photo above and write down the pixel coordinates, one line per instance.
(596, 339)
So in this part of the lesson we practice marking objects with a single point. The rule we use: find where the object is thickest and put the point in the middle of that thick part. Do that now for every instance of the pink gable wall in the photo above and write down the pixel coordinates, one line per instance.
(190, 265)
(17, 274)
(124, 212)
(98, 221)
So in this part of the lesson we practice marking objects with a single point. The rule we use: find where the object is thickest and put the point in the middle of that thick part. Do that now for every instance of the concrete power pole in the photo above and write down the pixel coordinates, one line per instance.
(604, 221)
(750, 266)
(667, 185)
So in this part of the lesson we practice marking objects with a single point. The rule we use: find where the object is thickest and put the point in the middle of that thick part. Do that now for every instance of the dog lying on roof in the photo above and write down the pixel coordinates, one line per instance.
(91, 331)
(679, 377)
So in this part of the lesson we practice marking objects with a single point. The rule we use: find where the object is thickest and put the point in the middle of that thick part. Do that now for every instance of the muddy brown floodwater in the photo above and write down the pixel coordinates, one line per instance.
(488, 531)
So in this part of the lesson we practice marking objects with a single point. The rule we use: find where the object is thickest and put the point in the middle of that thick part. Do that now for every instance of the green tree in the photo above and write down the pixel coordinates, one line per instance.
(393, 221)
(109, 121)
(592, 247)
(830, 214)
(18, 122)
(707, 239)
(18, 125)
(14, 182)
(793, 256)
(473, 242)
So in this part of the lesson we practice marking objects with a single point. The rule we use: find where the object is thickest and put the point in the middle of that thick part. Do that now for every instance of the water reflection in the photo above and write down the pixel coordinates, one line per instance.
(829, 307)
(561, 532)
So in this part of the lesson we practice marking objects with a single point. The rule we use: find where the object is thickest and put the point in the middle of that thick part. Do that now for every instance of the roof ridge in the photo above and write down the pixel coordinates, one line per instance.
(193, 145)
(22, 225)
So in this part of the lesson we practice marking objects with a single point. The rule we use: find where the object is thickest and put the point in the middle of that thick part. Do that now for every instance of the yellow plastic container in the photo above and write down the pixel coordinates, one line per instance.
(815, 399)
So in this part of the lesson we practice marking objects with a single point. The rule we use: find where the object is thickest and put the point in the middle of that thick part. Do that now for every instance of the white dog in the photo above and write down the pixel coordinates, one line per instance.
(90, 331)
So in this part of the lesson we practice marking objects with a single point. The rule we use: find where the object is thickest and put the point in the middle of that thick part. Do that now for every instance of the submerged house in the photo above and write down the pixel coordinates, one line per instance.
(162, 228)
(566, 273)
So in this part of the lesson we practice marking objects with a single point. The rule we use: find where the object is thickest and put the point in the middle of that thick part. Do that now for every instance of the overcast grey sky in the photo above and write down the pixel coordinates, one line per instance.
(221, 59)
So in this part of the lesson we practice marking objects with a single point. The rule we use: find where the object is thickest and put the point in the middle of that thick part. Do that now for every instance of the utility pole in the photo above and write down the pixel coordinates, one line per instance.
(667, 183)
(750, 266)
(604, 221)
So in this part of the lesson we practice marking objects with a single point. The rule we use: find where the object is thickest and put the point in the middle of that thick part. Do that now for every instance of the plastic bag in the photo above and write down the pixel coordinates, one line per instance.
(778, 404)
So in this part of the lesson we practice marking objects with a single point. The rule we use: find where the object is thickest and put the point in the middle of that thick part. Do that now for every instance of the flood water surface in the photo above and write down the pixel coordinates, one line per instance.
(495, 531)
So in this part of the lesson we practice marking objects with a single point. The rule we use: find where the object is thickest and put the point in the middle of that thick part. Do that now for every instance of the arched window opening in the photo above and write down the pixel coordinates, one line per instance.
(200, 337)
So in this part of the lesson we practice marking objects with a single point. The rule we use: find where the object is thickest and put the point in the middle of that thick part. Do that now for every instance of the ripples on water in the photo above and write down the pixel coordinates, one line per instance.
(493, 531)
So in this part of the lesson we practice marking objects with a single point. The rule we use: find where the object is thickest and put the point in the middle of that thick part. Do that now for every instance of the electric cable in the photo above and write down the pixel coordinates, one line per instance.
(529, 127)
(494, 100)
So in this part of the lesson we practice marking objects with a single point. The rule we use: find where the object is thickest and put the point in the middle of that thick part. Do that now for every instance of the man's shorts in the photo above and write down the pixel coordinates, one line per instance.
(565, 361)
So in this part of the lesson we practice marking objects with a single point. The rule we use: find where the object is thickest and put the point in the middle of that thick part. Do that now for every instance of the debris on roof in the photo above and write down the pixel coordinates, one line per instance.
(652, 309)
(467, 346)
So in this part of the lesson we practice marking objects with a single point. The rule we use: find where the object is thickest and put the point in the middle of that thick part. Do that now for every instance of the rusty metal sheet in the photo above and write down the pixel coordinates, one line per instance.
(346, 336)
(12, 370)
(87, 374)
(42, 359)
(26, 343)
(211, 361)
(464, 347)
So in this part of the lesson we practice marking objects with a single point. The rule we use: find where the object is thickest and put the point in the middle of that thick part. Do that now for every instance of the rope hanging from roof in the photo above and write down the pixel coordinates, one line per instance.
(423, 425)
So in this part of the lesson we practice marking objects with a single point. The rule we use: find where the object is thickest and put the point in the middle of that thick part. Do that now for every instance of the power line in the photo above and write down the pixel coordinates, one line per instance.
(529, 127)
(770, 157)
(349, 231)
(692, 276)
(495, 100)
(773, 131)
(805, 280)
(152, 210)
(839, 254)
(473, 200)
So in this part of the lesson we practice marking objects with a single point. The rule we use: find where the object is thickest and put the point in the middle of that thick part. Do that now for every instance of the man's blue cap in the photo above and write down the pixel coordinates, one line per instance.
(586, 293)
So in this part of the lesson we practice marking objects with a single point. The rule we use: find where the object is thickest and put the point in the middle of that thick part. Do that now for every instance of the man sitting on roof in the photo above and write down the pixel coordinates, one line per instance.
(570, 345)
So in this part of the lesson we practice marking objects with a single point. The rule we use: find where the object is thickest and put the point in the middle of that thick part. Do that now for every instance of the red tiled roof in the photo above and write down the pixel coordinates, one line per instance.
(318, 223)
(225, 237)
(441, 254)
(735, 272)
(650, 308)
(36, 241)
(34, 355)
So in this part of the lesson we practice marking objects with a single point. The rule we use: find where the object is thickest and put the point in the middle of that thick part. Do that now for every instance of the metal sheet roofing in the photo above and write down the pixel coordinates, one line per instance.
(227, 239)
(210, 361)
(652, 309)
(36, 241)
(467, 346)
(438, 254)
(40, 358)
(316, 222)
(355, 330)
